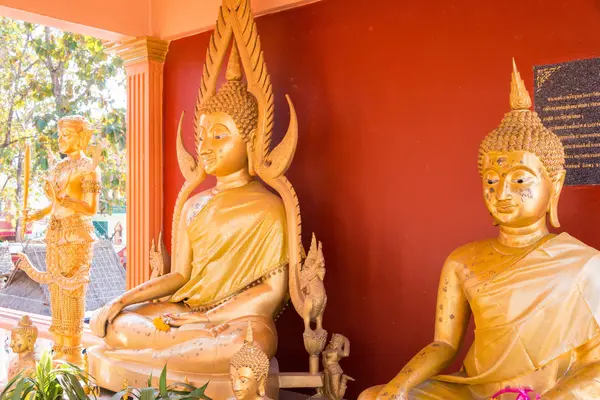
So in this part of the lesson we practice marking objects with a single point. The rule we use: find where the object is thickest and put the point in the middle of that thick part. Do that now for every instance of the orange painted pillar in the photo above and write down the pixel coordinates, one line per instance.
(144, 60)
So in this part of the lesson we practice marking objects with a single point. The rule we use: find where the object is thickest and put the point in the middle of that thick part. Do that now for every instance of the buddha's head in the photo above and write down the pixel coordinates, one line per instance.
(227, 124)
(23, 336)
(522, 165)
(74, 134)
(249, 369)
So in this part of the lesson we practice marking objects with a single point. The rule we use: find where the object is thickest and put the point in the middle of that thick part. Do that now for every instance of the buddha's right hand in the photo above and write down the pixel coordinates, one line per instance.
(104, 316)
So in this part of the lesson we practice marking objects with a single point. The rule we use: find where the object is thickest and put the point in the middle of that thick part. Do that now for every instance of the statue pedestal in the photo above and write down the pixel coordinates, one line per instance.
(111, 374)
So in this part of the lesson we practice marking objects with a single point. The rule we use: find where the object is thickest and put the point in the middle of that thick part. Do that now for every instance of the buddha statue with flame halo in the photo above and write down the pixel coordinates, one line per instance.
(231, 244)
(230, 257)
(534, 296)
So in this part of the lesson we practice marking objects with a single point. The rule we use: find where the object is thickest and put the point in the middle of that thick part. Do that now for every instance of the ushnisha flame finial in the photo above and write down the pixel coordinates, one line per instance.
(234, 67)
(519, 97)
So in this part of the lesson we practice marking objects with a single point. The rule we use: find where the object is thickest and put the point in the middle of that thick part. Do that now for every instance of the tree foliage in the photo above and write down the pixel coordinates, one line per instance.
(46, 74)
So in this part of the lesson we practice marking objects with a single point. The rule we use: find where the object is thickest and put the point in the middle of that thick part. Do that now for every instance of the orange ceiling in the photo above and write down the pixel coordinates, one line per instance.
(121, 19)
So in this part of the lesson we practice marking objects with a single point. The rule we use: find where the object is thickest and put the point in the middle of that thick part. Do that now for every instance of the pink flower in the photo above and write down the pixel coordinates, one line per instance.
(522, 393)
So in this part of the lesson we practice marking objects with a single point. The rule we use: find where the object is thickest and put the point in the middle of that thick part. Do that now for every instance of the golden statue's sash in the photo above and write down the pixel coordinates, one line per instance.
(237, 238)
(543, 306)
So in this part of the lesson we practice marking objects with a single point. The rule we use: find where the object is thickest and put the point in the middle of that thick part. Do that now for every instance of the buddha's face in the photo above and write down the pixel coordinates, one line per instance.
(517, 188)
(19, 343)
(244, 384)
(69, 140)
(222, 149)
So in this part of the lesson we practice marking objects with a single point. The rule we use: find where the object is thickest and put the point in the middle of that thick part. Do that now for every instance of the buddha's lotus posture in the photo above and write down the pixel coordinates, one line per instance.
(230, 258)
(535, 296)
(231, 244)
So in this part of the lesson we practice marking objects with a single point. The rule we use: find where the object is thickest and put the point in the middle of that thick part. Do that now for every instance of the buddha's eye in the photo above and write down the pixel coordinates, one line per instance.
(491, 179)
(523, 178)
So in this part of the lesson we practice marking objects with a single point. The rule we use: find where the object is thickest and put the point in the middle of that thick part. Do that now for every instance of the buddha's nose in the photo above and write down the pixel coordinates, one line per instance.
(205, 148)
(503, 193)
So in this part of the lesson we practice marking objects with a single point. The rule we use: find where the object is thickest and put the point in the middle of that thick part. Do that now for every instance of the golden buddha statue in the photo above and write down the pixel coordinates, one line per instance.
(534, 295)
(22, 343)
(73, 188)
(249, 369)
(231, 244)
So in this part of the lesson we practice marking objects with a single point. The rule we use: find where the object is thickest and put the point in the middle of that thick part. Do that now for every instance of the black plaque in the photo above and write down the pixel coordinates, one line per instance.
(567, 99)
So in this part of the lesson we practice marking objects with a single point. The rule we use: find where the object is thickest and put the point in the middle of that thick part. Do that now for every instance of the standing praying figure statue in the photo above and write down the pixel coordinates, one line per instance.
(73, 188)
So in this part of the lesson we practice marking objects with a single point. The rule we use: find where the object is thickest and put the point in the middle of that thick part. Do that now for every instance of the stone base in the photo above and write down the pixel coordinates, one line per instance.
(111, 374)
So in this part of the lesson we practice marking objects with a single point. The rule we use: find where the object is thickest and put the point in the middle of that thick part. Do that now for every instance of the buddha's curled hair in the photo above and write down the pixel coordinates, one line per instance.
(522, 130)
(234, 100)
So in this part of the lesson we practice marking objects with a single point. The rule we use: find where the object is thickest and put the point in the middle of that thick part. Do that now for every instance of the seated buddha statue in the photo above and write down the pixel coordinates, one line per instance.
(230, 257)
(534, 296)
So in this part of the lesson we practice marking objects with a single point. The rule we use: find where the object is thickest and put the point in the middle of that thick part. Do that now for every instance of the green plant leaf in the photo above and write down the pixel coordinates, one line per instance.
(162, 384)
(150, 380)
(147, 394)
(18, 392)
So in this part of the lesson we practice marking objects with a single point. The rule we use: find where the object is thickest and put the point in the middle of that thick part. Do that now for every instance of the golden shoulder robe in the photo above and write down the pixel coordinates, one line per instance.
(238, 237)
(531, 315)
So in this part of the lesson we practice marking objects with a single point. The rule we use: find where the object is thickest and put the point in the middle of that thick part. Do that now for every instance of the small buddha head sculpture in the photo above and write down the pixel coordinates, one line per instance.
(227, 124)
(522, 165)
(74, 134)
(249, 369)
(23, 336)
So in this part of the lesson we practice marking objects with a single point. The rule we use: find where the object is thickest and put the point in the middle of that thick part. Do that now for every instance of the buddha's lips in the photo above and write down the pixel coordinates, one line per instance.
(505, 208)
(208, 160)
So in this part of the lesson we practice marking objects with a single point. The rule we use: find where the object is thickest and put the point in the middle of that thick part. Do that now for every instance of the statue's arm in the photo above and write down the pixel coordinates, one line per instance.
(90, 195)
(346, 347)
(262, 299)
(170, 283)
(583, 382)
(37, 215)
(451, 321)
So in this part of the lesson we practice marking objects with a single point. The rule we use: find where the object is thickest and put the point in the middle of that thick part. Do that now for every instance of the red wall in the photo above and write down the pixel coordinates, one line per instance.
(393, 99)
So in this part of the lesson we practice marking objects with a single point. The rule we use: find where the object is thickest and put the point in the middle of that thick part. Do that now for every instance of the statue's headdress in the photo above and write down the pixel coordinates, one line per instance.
(79, 123)
(522, 130)
(251, 356)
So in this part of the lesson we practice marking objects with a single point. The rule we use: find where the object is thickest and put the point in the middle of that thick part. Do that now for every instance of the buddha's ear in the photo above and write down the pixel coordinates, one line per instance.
(261, 386)
(251, 157)
(557, 185)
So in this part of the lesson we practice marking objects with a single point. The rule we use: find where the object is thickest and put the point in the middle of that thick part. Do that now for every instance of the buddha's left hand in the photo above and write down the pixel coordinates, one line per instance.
(179, 319)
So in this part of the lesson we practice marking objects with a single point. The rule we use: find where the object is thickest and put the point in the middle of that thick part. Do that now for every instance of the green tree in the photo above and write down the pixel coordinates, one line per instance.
(46, 74)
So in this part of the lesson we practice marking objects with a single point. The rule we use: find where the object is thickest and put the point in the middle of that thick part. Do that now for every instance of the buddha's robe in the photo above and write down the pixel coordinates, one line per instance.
(238, 237)
(537, 318)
